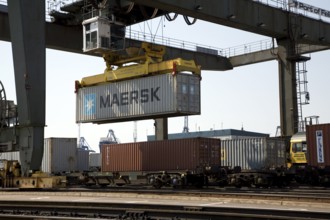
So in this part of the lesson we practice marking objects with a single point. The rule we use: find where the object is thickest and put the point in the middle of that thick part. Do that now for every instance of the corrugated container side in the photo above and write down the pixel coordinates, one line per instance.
(94, 160)
(60, 154)
(82, 159)
(318, 145)
(10, 156)
(253, 153)
(183, 154)
(276, 152)
(141, 98)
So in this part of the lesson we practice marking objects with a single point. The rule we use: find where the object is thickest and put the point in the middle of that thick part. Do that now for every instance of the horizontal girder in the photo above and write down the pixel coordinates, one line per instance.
(69, 39)
(270, 54)
(249, 16)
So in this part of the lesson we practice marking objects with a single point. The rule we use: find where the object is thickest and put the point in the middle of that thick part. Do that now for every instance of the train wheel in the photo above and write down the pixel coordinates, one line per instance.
(158, 183)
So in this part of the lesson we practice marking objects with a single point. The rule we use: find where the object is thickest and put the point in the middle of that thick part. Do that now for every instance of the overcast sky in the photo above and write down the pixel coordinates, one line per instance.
(247, 96)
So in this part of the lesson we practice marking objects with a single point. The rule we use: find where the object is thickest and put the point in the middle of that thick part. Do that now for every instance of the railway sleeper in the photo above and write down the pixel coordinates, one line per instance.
(136, 214)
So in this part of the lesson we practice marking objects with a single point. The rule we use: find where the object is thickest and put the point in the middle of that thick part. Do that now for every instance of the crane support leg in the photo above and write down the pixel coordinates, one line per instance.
(288, 89)
(161, 132)
(27, 30)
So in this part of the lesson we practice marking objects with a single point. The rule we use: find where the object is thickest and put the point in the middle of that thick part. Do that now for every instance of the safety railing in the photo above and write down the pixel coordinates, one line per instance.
(170, 42)
(252, 47)
(186, 45)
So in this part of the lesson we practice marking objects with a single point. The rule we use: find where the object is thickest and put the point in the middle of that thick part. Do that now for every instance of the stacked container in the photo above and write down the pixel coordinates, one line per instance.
(82, 159)
(254, 153)
(14, 155)
(318, 145)
(166, 155)
(94, 161)
(60, 154)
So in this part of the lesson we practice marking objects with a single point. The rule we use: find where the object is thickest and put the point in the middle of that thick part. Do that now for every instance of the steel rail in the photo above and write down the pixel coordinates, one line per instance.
(308, 194)
(290, 194)
(87, 210)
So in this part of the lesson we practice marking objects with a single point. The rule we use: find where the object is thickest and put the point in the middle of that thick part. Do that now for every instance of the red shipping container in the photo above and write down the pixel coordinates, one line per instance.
(318, 145)
(169, 155)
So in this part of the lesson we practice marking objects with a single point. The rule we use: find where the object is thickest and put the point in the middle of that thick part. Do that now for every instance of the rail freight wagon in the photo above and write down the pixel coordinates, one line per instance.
(251, 161)
(255, 161)
(173, 162)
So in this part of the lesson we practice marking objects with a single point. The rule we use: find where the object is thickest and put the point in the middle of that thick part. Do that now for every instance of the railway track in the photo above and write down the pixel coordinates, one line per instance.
(125, 203)
(83, 210)
(312, 194)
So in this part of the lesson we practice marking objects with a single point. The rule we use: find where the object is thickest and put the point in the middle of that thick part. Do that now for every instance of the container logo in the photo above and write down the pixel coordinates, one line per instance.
(128, 98)
(90, 104)
(319, 146)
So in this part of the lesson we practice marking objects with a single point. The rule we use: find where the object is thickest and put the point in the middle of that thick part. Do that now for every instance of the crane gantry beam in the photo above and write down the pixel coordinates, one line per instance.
(249, 16)
(270, 54)
(66, 38)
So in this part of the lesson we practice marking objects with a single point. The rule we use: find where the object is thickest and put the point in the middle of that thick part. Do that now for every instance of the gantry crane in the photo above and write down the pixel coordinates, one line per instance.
(111, 138)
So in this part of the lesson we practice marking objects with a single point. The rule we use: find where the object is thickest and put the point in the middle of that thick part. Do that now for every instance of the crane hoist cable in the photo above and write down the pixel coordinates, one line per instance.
(129, 8)
(188, 21)
(145, 14)
(169, 18)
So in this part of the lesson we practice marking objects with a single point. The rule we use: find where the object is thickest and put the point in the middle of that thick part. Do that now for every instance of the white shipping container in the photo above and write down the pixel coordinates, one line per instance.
(94, 161)
(253, 153)
(10, 156)
(60, 154)
(162, 95)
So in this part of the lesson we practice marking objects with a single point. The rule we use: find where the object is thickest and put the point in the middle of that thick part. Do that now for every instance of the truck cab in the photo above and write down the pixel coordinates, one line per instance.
(298, 150)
